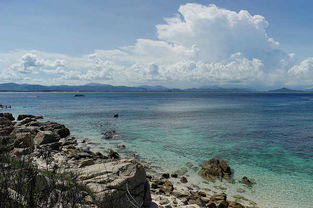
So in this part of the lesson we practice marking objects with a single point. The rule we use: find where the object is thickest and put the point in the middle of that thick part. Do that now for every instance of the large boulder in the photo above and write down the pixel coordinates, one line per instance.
(8, 116)
(59, 129)
(45, 137)
(215, 168)
(116, 182)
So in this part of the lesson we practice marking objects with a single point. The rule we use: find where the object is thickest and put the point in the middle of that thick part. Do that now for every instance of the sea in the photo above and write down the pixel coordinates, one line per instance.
(265, 136)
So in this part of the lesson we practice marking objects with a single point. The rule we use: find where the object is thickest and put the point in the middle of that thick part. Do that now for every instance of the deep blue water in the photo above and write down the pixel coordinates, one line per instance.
(269, 136)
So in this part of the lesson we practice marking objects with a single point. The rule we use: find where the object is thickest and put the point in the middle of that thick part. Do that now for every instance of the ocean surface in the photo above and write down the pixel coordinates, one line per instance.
(267, 137)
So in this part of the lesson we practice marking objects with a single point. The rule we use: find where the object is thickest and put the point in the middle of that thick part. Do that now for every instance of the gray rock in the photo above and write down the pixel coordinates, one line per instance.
(24, 139)
(21, 117)
(183, 179)
(110, 135)
(5, 121)
(8, 116)
(21, 151)
(6, 126)
(59, 129)
(245, 180)
(117, 181)
(235, 205)
(44, 137)
(25, 121)
(215, 168)
(113, 155)
(121, 146)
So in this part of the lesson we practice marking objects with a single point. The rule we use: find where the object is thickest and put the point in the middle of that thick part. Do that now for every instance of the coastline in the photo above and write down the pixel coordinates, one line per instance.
(167, 189)
(193, 184)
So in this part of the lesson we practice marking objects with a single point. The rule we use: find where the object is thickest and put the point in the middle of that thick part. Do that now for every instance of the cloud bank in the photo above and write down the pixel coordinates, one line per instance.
(200, 45)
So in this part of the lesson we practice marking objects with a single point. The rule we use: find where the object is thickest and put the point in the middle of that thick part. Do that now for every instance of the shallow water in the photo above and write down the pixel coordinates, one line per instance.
(268, 137)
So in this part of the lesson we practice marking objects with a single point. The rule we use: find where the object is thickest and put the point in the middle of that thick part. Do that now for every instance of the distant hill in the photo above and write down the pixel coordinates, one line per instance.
(96, 87)
(92, 87)
(285, 90)
(219, 89)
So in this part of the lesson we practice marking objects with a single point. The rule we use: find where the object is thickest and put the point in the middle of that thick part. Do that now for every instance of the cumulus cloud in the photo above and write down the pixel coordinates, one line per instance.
(200, 45)
(30, 63)
(302, 74)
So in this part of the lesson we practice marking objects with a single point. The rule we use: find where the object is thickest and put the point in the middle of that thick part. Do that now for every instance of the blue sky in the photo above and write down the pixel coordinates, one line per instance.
(80, 26)
(49, 30)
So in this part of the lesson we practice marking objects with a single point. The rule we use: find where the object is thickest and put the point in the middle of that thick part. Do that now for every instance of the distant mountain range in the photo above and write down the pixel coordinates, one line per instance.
(95, 87)
(286, 90)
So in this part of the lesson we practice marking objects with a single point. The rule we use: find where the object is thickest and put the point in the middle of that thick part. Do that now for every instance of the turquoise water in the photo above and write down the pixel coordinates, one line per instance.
(268, 137)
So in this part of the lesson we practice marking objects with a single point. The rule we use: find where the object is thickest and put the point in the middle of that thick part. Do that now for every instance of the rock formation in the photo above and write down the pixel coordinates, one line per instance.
(215, 169)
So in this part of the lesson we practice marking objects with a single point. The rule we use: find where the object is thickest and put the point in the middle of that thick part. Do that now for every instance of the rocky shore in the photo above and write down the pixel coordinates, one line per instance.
(111, 180)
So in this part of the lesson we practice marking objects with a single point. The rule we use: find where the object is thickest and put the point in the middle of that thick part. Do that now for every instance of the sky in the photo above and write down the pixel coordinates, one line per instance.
(259, 44)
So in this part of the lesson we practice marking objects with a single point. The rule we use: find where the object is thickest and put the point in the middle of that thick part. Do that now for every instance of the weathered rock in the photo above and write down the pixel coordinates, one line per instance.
(215, 168)
(174, 175)
(86, 162)
(6, 144)
(110, 135)
(63, 132)
(26, 121)
(59, 129)
(235, 205)
(113, 155)
(167, 187)
(218, 198)
(52, 145)
(23, 139)
(121, 146)
(223, 204)
(6, 126)
(245, 180)
(211, 205)
(180, 193)
(44, 137)
(4, 121)
(165, 175)
(8, 116)
(116, 181)
(21, 151)
(68, 141)
(25, 129)
(183, 179)
(21, 117)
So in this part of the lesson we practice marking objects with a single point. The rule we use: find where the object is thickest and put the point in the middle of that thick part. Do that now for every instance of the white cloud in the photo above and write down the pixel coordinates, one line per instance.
(30, 63)
(302, 73)
(201, 45)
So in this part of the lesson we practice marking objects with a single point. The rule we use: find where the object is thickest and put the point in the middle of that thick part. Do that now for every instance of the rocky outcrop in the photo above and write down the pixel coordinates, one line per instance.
(215, 169)
(115, 182)
(123, 181)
